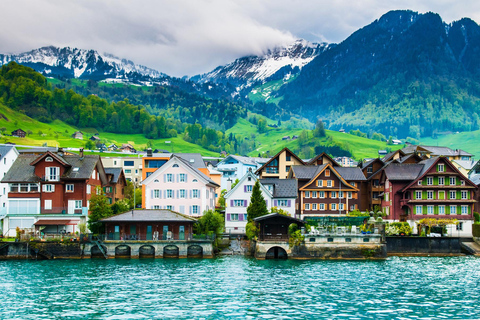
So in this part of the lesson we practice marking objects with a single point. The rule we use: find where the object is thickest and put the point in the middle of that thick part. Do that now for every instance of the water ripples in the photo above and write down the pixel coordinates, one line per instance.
(239, 288)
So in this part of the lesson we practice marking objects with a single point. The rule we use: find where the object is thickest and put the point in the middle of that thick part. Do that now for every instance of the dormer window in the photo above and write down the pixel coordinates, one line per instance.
(175, 165)
(52, 173)
(48, 159)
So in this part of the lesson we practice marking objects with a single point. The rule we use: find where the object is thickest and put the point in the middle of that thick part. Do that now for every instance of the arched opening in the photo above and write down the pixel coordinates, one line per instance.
(123, 252)
(276, 253)
(146, 251)
(195, 251)
(96, 253)
(170, 251)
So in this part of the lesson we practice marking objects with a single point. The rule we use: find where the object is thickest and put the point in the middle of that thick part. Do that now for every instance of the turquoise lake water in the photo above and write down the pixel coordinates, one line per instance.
(241, 288)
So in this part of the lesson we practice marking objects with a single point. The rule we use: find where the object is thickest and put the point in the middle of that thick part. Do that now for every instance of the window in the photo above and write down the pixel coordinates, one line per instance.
(156, 194)
(453, 181)
(319, 183)
(288, 158)
(52, 173)
(114, 162)
(33, 188)
(89, 189)
(369, 169)
(156, 207)
(322, 206)
(239, 203)
(327, 173)
(128, 163)
(169, 194)
(24, 187)
(441, 181)
(307, 206)
(307, 194)
(349, 195)
(321, 194)
(183, 177)
(429, 181)
(418, 209)
(340, 194)
(128, 171)
(169, 207)
(460, 226)
(248, 188)
(69, 188)
(452, 194)
(453, 209)
(314, 194)
(462, 182)
(195, 193)
(14, 187)
(78, 204)
(329, 183)
(353, 183)
(182, 193)
(169, 177)
(333, 195)
(48, 204)
(49, 188)
(419, 182)
(334, 206)
(282, 203)
(464, 195)
(352, 207)
(464, 209)
(234, 216)
(341, 206)
(441, 209)
(195, 210)
(48, 159)
(175, 166)
(418, 194)
(429, 209)
(314, 206)
(441, 168)
(287, 168)
(429, 195)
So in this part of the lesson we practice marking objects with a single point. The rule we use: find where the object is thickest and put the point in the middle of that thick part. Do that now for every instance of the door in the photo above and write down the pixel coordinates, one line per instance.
(149, 233)
(165, 231)
(133, 232)
(181, 233)
(71, 206)
(116, 235)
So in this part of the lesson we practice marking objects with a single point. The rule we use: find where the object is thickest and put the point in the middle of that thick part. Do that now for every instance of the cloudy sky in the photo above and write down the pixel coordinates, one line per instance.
(189, 37)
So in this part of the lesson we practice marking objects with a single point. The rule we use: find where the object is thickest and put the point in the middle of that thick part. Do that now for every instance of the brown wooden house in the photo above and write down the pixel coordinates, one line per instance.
(19, 133)
(115, 188)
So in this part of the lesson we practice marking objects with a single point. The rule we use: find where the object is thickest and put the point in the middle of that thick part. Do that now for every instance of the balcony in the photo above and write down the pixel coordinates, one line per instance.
(271, 170)
(83, 211)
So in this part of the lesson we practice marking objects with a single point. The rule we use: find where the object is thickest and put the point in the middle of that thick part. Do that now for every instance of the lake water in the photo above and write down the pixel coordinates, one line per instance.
(241, 288)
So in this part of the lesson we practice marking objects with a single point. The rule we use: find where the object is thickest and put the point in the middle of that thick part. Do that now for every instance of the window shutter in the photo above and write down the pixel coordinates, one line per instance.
(190, 194)
(244, 203)
(240, 217)
(178, 194)
(53, 188)
(186, 177)
(199, 194)
(266, 203)
(44, 187)
(152, 194)
(228, 216)
(178, 177)
(165, 177)
(333, 183)
(165, 194)
(245, 217)
(289, 203)
(190, 210)
(231, 203)
(245, 188)
(275, 203)
(160, 194)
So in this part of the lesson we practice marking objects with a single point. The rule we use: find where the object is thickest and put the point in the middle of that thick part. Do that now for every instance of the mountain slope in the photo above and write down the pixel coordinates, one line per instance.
(406, 74)
(278, 63)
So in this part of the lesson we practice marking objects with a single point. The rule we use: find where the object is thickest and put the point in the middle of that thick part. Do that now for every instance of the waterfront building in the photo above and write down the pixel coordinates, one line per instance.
(177, 185)
(432, 188)
(51, 191)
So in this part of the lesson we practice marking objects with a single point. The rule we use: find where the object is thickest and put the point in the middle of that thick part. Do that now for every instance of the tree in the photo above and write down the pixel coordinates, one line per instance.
(319, 131)
(257, 206)
(262, 126)
(221, 199)
(211, 221)
(234, 183)
(279, 211)
(89, 145)
(99, 209)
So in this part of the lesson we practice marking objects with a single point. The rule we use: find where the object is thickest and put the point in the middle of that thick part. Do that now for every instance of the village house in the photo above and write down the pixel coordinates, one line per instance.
(8, 155)
(132, 167)
(279, 165)
(114, 189)
(235, 167)
(77, 135)
(434, 151)
(127, 148)
(19, 133)
(280, 193)
(177, 185)
(51, 191)
(432, 188)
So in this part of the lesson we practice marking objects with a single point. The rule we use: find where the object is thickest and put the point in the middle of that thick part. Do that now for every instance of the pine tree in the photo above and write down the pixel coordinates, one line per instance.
(257, 207)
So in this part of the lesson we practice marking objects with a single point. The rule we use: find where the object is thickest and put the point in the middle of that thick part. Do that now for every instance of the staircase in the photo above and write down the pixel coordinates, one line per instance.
(100, 247)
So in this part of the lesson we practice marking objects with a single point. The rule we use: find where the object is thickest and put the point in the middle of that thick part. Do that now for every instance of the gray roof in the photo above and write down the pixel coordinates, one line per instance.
(194, 159)
(427, 164)
(475, 179)
(38, 150)
(307, 172)
(115, 172)
(282, 188)
(253, 161)
(351, 173)
(150, 215)
(187, 163)
(466, 164)
(278, 215)
(446, 151)
(367, 163)
(403, 171)
(4, 150)
(22, 171)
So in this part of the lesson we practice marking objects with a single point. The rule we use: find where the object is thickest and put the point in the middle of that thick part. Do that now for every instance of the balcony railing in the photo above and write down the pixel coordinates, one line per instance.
(54, 210)
(271, 170)
(273, 237)
(153, 236)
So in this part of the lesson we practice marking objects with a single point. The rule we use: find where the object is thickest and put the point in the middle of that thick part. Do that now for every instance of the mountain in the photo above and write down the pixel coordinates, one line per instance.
(405, 74)
(276, 64)
(84, 64)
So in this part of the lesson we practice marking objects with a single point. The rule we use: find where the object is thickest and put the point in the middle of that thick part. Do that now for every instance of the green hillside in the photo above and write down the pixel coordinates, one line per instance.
(467, 141)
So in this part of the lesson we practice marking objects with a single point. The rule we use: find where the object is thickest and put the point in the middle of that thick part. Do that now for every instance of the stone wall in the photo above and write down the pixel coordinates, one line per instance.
(424, 245)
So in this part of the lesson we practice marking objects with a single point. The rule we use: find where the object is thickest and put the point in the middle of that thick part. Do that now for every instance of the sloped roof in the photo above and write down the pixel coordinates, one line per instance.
(21, 170)
(150, 215)
(282, 188)
(276, 156)
(466, 164)
(194, 159)
(278, 215)
(323, 154)
(475, 179)
(351, 173)
(85, 166)
(403, 171)
(247, 160)
(390, 155)
(4, 150)
(115, 172)
(200, 173)
(445, 151)
(307, 172)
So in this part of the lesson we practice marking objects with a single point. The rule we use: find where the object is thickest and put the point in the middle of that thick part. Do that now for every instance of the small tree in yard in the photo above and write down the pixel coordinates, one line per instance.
(211, 221)
(99, 209)
(255, 209)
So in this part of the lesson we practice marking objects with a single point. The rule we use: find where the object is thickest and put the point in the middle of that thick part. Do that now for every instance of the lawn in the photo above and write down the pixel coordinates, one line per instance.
(467, 141)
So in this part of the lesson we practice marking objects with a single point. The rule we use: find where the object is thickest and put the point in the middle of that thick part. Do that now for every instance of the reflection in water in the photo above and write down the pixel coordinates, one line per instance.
(235, 287)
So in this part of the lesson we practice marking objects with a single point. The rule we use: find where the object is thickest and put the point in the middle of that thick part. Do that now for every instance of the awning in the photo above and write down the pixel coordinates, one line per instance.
(59, 222)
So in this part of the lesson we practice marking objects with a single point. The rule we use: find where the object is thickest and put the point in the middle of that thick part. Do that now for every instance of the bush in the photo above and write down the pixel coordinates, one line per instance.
(251, 230)
(476, 218)
(476, 230)
(398, 228)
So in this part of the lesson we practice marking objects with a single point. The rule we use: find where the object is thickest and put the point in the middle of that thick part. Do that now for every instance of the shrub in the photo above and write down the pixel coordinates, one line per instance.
(476, 217)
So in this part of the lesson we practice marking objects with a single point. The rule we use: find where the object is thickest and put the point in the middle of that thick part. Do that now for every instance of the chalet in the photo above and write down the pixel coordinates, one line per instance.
(112, 147)
(286, 138)
(177, 185)
(127, 148)
(279, 165)
(77, 135)
(19, 133)
(323, 158)
(51, 191)
(434, 151)
(432, 188)
(94, 138)
(114, 189)
(464, 166)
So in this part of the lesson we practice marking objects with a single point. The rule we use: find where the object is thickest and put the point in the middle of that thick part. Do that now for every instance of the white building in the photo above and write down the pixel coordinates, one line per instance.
(235, 167)
(280, 193)
(8, 155)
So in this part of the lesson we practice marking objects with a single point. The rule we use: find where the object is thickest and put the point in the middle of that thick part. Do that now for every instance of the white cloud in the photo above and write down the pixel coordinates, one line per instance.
(188, 37)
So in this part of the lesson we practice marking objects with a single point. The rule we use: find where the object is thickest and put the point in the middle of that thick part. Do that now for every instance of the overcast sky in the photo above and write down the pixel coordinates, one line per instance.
(190, 37)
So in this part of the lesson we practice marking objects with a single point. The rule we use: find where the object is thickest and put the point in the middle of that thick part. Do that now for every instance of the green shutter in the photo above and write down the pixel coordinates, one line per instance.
(424, 182)
(441, 195)
(435, 210)
(424, 195)
(459, 195)
(435, 181)
(437, 168)
(457, 180)
(424, 210)
(447, 209)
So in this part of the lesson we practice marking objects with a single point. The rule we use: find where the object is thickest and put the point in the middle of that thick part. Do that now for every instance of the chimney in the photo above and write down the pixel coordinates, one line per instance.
(149, 152)
(60, 152)
(81, 153)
